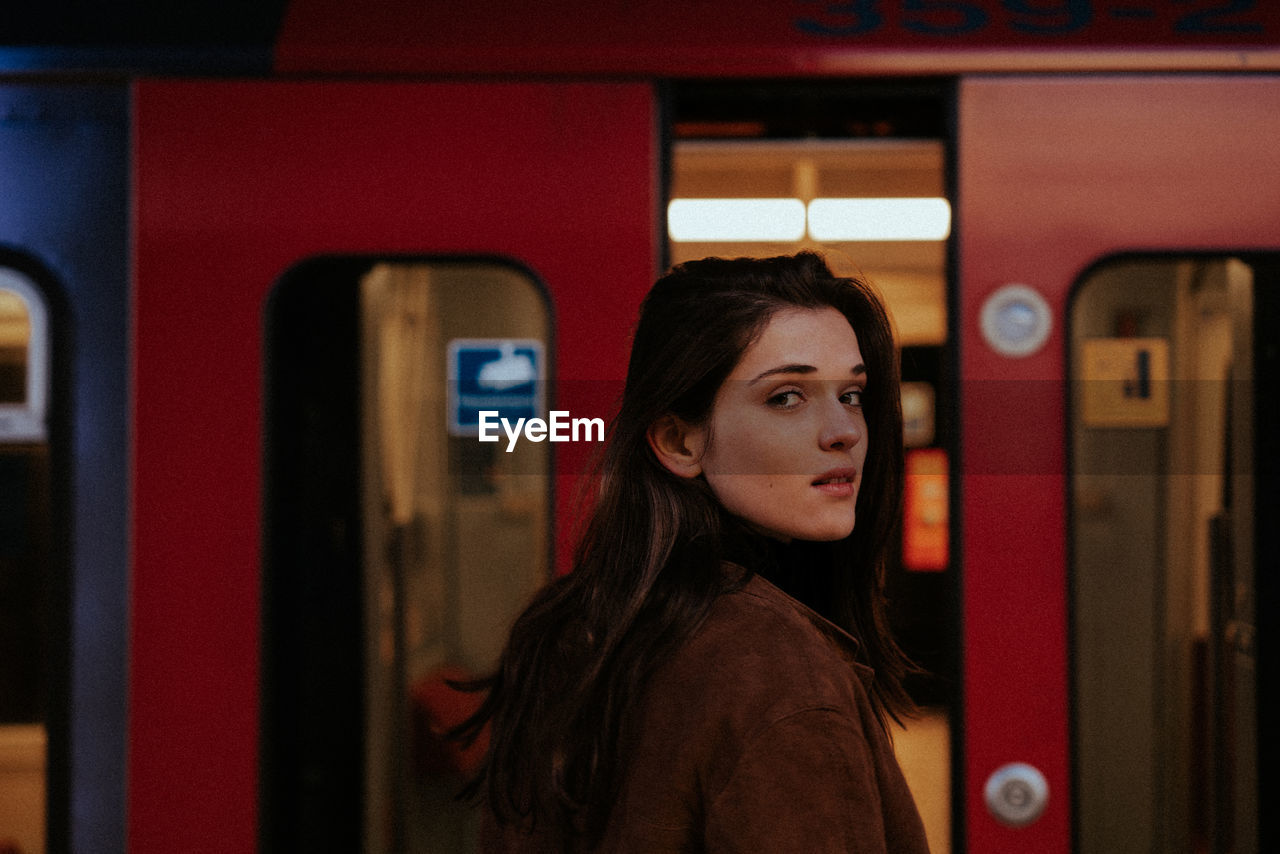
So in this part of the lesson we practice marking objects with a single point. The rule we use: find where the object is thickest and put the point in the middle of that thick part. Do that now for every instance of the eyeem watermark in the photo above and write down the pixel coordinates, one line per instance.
(559, 427)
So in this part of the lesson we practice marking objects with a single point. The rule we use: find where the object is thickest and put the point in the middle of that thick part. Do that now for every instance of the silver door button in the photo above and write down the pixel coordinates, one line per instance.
(1016, 320)
(1016, 794)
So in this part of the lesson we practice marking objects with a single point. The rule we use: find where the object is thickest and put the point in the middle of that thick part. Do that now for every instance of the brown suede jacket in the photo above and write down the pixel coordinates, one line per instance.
(757, 735)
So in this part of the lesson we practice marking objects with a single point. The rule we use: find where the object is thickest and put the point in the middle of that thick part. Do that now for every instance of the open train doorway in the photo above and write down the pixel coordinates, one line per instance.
(1172, 478)
(860, 173)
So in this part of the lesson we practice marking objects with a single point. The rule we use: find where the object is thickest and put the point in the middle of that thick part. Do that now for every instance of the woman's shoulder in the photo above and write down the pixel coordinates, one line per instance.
(760, 621)
(760, 655)
(760, 674)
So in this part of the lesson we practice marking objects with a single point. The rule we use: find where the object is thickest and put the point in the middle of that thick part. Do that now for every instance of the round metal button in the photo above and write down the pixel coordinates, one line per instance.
(1016, 794)
(1016, 320)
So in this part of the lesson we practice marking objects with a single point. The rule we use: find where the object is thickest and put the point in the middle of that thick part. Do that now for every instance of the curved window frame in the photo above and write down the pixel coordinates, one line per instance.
(28, 421)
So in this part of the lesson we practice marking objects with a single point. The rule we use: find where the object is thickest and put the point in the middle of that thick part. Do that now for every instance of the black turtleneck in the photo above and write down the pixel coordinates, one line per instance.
(800, 568)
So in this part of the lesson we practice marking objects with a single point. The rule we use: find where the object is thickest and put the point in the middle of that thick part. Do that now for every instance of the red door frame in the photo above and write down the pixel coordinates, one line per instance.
(1054, 174)
(237, 181)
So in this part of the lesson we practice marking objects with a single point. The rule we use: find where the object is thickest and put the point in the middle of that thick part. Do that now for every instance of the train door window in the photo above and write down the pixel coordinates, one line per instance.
(1164, 655)
(400, 546)
(24, 359)
(858, 173)
(26, 551)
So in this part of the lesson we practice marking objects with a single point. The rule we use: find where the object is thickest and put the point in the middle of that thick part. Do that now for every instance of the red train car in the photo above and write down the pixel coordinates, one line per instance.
(255, 284)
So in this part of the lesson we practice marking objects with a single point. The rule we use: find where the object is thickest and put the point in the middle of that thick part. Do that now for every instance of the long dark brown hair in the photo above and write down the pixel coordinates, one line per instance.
(649, 563)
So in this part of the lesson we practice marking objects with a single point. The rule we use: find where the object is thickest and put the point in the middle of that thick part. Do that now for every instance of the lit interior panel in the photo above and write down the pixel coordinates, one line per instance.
(735, 220)
(879, 219)
(910, 273)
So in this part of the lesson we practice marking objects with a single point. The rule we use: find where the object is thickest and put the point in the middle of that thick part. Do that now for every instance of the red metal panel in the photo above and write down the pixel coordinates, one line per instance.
(724, 37)
(1053, 175)
(237, 181)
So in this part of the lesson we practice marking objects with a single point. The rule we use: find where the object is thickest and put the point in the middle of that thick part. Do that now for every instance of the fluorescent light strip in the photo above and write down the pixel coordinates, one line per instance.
(735, 220)
(879, 219)
(784, 220)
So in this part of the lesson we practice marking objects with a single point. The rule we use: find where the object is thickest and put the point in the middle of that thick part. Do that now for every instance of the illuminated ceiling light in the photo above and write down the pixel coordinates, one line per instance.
(735, 220)
(879, 219)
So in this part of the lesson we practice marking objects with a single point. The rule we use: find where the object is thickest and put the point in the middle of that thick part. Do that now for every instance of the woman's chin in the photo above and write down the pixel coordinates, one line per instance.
(812, 530)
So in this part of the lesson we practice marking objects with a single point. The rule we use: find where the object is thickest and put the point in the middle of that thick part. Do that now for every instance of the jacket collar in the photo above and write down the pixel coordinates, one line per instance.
(846, 644)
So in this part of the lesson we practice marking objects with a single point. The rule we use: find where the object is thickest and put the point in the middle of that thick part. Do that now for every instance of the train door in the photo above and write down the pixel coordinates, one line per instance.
(63, 470)
(399, 547)
(1165, 510)
(378, 214)
(1093, 638)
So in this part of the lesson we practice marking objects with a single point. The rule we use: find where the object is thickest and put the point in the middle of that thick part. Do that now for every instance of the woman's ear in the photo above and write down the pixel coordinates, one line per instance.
(677, 445)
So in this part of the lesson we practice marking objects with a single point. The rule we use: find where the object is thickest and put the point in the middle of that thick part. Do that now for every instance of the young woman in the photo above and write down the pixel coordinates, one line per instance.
(716, 674)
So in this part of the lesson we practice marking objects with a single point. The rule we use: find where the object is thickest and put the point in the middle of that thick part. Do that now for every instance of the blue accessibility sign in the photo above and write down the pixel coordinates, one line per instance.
(503, 375)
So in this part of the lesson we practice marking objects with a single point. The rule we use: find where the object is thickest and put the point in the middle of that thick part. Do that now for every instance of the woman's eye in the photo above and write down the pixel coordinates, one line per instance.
(853, 397)
(786, 399)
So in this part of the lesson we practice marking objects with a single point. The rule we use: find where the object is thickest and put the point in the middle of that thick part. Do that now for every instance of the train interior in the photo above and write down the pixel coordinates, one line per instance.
(398, 547)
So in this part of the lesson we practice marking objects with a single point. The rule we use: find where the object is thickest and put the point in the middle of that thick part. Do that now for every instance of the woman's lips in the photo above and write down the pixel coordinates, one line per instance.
(837, 482)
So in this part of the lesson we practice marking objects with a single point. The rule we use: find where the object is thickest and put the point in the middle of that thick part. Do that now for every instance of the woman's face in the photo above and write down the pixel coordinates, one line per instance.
(788, 438)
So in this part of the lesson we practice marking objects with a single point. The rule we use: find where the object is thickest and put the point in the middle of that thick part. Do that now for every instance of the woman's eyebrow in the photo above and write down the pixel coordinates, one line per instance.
(857, 370)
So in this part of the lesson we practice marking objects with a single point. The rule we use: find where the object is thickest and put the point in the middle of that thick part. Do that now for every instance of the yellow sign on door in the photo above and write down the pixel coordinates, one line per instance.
(1125, 382)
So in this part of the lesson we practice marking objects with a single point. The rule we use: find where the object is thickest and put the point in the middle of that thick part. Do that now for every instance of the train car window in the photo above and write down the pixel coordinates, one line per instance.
(859, 173)
(26, 560)
(400, 546)
(1163, 463)
(24, 359)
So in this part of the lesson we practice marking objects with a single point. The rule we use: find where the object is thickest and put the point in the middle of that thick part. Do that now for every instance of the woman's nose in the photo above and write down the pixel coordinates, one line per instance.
(842, 429)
